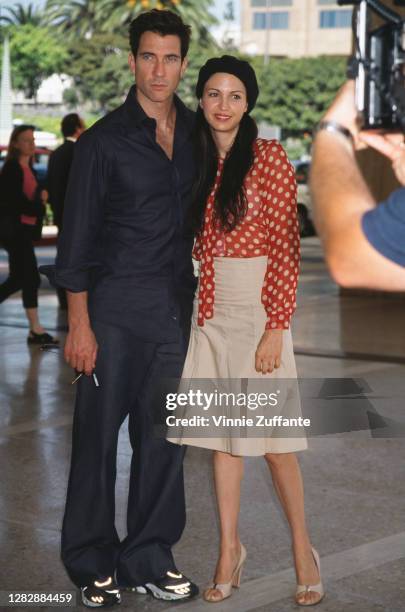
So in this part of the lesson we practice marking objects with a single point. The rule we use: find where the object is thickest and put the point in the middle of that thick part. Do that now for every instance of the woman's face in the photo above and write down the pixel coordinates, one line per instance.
(25, 143)
(224, 102)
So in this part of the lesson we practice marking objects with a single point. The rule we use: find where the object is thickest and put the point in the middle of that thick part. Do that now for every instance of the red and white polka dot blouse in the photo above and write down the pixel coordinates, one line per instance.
(269, 228)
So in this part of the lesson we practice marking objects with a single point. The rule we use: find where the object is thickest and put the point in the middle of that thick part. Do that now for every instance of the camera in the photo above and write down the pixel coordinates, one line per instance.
(378, 65)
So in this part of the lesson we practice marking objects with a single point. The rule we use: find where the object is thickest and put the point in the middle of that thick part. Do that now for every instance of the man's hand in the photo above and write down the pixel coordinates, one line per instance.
(268, 353)
(81, 345)
(392, 146)
(81, 348)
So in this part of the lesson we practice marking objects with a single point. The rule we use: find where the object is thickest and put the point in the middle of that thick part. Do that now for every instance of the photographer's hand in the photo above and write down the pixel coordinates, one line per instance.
(390, 145)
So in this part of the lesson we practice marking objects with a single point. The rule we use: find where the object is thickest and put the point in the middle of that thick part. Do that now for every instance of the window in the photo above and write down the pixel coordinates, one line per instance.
(270, 3)
(274, 21)
(335, 19)
(279, 21)
(259, 21)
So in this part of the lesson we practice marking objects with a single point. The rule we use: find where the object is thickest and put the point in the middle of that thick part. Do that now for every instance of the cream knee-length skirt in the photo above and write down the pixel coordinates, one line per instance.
(224, 350)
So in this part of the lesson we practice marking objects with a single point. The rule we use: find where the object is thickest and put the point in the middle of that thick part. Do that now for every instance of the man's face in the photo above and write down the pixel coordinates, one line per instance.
(158, 66)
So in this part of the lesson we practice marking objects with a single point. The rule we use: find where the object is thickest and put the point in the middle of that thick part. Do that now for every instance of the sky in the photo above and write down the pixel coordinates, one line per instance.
(218, 6)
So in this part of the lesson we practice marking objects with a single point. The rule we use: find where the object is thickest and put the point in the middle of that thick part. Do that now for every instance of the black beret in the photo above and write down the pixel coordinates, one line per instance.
(231, 65)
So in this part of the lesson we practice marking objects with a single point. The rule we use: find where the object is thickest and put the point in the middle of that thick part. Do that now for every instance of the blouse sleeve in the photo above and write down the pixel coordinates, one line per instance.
(197, 249)
(280, 282)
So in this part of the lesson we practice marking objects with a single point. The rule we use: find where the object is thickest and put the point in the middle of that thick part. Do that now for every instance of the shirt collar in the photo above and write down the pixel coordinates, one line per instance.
(136, 115)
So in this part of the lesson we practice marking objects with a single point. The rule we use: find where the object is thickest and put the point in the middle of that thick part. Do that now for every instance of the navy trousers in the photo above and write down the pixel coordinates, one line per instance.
(128, 371)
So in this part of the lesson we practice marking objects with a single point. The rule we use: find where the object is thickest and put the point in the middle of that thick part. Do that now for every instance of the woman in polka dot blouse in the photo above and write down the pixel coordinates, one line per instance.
(247, 246)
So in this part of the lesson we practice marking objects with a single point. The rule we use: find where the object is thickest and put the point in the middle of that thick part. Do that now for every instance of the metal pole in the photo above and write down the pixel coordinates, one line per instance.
(267, 35)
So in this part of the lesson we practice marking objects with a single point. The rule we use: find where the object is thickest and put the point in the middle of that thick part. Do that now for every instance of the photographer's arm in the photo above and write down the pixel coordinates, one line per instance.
(341, 198)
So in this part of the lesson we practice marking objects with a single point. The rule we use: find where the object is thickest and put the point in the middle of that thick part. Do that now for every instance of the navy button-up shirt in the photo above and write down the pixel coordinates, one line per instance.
(123, 237)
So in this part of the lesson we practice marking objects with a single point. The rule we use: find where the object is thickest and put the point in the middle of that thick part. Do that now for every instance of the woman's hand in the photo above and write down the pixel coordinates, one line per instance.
(268, 352)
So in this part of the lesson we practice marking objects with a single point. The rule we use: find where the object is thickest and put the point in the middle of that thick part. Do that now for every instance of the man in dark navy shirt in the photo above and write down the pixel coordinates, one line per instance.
(125, 260)
(364, 241)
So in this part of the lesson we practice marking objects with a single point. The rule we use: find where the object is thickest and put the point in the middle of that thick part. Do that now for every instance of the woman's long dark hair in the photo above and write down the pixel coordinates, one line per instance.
(230, 202)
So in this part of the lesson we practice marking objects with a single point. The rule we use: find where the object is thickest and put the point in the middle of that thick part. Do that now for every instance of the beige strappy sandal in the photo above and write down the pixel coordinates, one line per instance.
(226, 588)
(313, 588)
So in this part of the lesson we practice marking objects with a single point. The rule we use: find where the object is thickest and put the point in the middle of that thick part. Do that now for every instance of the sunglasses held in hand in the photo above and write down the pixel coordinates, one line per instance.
(50, 348)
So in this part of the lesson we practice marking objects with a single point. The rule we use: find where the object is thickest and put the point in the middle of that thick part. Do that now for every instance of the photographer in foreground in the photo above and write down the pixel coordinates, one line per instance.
(364, 243)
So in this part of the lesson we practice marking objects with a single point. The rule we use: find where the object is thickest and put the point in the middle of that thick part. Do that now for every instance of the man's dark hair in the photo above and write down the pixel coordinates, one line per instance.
(70, 123)
(160, 22)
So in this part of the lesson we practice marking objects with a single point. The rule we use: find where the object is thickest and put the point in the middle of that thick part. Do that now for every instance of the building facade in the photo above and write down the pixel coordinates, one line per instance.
(295, 28)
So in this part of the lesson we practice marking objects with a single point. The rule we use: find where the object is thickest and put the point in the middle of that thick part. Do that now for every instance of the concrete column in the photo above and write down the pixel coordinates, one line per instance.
(6, 113)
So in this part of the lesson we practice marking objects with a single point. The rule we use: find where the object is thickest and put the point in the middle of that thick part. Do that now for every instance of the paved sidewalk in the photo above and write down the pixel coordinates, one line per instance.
(355, 489)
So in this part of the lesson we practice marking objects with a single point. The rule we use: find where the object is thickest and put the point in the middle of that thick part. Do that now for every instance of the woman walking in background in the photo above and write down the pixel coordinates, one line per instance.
(248, 248)
(22, 207)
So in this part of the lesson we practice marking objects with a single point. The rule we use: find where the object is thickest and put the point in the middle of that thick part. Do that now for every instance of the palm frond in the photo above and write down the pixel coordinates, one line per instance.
(78, 17)
(22, 15)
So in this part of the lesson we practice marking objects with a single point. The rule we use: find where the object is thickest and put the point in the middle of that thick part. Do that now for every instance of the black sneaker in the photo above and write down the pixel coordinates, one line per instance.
(42, 339)
(173, 586)
(101, 594)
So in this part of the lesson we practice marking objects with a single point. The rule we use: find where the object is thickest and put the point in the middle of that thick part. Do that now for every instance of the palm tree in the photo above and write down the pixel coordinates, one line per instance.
(83, 16)
(72, 17)
(22, 15)
(195, 13)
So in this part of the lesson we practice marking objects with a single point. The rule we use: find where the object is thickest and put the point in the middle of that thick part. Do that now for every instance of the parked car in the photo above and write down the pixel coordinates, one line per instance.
(40, 163)
(304, 205)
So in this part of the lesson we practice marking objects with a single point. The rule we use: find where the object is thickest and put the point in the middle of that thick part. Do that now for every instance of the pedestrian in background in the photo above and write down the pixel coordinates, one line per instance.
(22, 208)
(58, 174)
